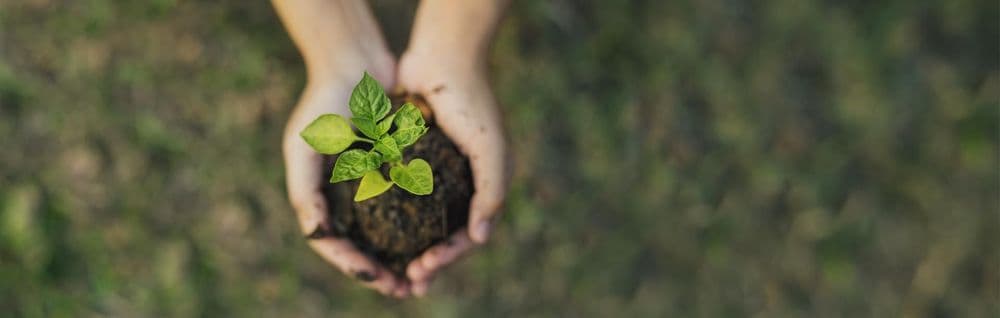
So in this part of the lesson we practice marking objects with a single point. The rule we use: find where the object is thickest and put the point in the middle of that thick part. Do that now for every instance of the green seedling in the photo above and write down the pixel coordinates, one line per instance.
(388, 134)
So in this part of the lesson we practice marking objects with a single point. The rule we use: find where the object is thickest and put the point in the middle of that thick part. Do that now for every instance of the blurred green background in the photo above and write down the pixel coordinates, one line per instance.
(672, 158)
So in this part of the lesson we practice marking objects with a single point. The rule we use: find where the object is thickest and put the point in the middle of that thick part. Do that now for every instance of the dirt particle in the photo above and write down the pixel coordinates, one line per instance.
(318, 233)
(438, 89)
(364, 276)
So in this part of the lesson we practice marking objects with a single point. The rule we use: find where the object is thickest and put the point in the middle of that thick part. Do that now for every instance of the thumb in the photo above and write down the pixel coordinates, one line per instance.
(491, 187)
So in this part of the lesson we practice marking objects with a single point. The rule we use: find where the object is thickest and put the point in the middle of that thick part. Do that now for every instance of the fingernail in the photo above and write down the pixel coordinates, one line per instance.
(415, 272)
(400, 293)
(482, 231)
(420, 290)
(429, 262)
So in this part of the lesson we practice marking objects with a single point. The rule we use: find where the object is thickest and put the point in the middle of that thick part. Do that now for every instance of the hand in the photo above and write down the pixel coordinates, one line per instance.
(338, 40)
(465, 110)
(325, 94)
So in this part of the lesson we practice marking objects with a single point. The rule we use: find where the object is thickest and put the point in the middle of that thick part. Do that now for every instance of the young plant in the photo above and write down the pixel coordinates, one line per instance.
(331, 134)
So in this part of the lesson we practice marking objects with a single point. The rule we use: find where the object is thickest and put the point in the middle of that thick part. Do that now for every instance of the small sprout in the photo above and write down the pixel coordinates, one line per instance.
(332, 134)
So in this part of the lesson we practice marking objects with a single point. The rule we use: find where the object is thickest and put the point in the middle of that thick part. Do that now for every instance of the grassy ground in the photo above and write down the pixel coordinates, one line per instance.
(673, 158)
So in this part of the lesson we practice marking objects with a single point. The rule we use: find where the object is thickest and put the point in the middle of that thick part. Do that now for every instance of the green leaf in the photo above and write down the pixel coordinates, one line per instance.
(415, 177)
(374, 159)
(372, 184)
(408, 116)
(353, 164)
(410, 125)
(368, 100)
(387, 147)
(367, 127)
(385, 124)
(329, 134)
(407, 136)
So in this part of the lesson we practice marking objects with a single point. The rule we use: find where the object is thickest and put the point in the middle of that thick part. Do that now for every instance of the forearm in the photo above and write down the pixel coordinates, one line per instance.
(459, 29)
(333, 35)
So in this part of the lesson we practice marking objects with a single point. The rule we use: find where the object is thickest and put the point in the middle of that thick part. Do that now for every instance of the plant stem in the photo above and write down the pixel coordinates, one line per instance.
(365, 140)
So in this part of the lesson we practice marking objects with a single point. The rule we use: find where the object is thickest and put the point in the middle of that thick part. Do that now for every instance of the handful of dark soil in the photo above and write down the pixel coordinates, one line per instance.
(395, 227)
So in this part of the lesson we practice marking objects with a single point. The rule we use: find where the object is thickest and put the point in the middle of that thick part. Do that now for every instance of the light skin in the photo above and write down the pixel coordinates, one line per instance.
(445, 62)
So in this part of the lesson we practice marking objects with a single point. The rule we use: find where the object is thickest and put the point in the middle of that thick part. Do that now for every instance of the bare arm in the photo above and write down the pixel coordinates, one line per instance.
(334, 36)
(456, 28)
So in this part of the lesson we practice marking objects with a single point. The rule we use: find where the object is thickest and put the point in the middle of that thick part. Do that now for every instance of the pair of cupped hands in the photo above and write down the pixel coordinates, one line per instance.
(457, 90)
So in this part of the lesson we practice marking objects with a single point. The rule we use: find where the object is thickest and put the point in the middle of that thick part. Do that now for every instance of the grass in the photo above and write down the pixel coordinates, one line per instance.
(674, 158)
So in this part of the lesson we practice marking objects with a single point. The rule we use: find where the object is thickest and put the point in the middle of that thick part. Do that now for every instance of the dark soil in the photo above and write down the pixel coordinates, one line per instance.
(397, 226)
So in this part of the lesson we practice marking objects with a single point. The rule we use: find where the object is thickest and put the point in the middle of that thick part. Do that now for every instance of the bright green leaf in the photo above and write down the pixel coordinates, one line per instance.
(367, 127)
(387, 147)
(415, 177)
(329, 134)
(385, 124)
(368, 100)
(372, 184)
(409, 125)
(374, 159)
(407, 136)
(353, 164)
(408, 116)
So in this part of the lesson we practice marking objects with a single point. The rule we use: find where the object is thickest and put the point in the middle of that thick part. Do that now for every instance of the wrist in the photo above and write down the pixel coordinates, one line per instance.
(336, 38)
(347, 65)
(449, 45)
(444, 58)
(455, 31)
(424, 71)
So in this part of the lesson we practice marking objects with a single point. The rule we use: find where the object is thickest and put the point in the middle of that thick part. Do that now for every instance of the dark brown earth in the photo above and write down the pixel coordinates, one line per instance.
(396, 226)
